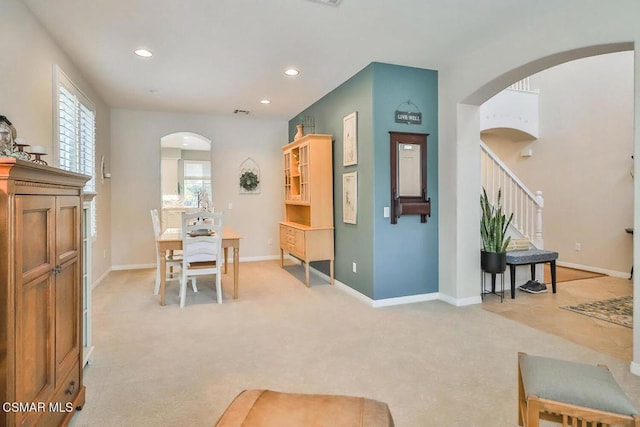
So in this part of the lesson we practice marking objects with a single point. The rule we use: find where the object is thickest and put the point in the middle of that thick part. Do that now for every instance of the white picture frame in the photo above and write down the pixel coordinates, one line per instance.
(350, 197)
(350, 139)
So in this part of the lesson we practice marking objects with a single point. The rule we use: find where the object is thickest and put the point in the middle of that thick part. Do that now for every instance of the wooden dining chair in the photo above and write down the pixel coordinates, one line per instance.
(201, 250)
(173, 261)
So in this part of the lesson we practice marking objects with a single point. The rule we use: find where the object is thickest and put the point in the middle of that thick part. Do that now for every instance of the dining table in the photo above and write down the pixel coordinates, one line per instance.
(171, 240)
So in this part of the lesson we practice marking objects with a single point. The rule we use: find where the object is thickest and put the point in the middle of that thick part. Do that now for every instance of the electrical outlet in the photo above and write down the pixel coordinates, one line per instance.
(230, 205)
(578, 247)
(270, 242)
(354, 267)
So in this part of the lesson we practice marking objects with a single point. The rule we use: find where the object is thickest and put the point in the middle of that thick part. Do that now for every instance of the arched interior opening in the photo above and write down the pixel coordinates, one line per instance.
(467, 127)
(185, 175)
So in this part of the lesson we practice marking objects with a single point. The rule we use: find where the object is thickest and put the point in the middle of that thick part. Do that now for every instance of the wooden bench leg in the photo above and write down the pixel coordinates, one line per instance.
(533, 272)
(512, 273)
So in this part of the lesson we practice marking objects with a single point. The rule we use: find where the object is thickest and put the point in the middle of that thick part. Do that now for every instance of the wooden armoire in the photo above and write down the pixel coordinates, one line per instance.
(40, 294)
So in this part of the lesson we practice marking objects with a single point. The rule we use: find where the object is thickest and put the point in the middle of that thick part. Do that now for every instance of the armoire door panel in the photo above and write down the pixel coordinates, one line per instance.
(67, 318)
(34, 340)
(67, 226)
(34, 233)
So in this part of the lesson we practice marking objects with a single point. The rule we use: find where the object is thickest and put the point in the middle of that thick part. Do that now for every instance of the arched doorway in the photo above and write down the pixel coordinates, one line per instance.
(465, 155)
(185, 172)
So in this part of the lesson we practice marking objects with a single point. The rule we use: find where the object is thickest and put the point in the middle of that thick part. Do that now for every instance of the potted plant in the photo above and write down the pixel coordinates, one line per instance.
(493, 229)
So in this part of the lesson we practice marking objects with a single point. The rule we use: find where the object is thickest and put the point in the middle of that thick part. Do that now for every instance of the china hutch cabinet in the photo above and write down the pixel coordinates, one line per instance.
(307, 229)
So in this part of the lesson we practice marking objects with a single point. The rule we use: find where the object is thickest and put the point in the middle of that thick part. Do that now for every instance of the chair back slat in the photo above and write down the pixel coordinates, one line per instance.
(201, 249)
(201, 236)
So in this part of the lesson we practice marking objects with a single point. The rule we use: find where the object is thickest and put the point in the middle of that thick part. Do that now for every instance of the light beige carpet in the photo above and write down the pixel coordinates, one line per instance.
(433, 363)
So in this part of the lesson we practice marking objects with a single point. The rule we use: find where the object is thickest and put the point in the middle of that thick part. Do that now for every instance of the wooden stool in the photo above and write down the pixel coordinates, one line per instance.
(570, 393)
(266, 408)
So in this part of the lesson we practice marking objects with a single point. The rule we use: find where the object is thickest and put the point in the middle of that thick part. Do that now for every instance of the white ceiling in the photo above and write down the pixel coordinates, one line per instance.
(215, 56)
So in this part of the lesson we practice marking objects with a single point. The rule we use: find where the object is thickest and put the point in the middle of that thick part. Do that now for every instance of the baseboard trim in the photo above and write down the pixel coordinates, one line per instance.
(613, 273)
(257, 258)
(635, 368)
(100, 279)
(242, 259)
(461, 302)
(385, 302)
(132, 267)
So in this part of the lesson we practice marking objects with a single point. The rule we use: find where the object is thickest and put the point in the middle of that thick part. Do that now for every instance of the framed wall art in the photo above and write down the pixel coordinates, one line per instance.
(350, 197)
(350, 139)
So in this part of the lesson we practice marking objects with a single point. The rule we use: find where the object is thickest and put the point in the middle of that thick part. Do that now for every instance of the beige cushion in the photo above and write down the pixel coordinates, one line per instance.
(266, 408)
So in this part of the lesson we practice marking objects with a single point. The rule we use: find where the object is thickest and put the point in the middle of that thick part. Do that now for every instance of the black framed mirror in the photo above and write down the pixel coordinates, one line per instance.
(409, 175)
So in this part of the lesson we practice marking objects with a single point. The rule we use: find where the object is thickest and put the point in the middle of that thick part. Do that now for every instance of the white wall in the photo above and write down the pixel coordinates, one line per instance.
(26, 98)
(582, 160)
(136, 179)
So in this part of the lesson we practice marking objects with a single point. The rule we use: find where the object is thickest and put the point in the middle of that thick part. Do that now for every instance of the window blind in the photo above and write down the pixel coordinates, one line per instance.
(76, 135)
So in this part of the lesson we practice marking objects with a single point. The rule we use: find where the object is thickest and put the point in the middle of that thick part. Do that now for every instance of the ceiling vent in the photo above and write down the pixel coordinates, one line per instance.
(328, 2)
(245, 112)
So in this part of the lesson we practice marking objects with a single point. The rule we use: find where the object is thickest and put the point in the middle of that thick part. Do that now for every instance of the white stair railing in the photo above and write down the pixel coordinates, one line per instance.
(516, 197)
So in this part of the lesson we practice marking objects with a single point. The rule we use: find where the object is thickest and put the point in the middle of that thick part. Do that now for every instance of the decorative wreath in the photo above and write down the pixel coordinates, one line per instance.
(249, 181)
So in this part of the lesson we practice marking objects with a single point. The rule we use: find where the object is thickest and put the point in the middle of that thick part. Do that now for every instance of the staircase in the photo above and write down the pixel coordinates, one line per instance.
(516, 198)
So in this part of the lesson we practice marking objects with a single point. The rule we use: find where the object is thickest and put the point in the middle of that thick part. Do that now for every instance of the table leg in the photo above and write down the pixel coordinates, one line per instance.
(226, 259)
(512, 273)
(236, 270)
(331, 271)
(306, 273)
(553, 276)
(163, 279)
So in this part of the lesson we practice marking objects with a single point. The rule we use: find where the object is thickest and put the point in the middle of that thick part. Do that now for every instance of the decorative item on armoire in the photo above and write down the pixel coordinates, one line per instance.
(300, 132)
(38, 151)
(10, 144)
(249, 177)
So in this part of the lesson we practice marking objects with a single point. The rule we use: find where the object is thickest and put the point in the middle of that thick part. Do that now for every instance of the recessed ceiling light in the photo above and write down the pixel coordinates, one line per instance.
(292, 72)
(145, 53)
(328, 2)
(265, 101)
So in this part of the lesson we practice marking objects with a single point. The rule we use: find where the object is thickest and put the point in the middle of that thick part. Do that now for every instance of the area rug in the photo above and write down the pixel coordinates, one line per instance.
(615, 310)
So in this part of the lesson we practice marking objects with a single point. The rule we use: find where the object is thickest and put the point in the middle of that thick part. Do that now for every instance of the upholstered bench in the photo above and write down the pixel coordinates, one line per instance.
(531, 257)
(570, 393)
(266, 408)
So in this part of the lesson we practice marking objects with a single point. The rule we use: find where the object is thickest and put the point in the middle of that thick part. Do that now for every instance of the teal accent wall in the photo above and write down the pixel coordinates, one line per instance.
(392, 260)
(406, 254)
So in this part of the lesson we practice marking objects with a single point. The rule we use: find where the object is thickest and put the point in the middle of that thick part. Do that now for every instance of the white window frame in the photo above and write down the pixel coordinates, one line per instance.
(88, 167)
